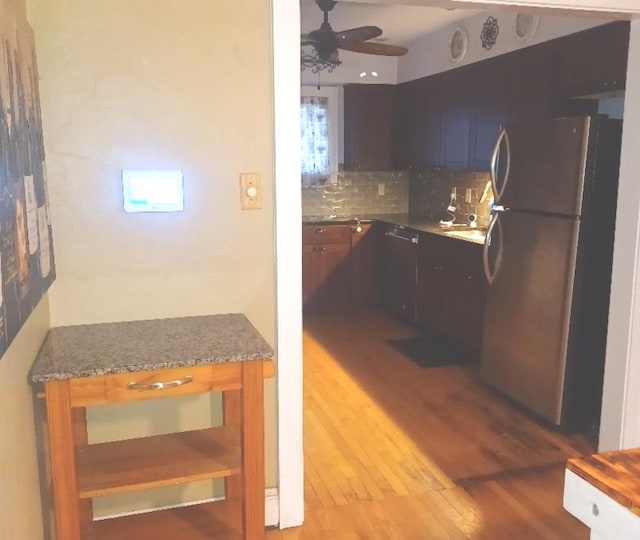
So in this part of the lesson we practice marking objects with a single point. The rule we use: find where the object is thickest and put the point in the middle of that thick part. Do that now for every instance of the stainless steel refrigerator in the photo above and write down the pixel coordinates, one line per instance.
(547, 260)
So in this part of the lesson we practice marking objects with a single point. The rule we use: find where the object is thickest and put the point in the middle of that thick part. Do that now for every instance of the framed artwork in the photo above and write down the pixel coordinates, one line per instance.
(27, 266)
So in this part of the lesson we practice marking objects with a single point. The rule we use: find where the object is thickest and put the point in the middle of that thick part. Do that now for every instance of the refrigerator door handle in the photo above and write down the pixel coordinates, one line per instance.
(489, 275)
(497, 193)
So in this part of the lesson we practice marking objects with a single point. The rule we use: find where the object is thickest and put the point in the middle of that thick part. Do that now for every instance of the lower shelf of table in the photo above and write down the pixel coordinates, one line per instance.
(158, 461)
(217, 520)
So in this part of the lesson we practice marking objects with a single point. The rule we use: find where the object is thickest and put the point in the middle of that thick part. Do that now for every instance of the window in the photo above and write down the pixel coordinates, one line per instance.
(318, 136)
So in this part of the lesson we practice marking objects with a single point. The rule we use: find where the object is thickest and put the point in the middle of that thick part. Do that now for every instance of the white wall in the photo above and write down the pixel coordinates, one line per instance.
(20, 508)
(171, 85)
(430, 54)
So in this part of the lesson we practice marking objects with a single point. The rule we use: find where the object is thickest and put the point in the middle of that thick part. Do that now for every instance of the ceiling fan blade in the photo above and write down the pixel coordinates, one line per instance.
(362, 33)
(372, 48)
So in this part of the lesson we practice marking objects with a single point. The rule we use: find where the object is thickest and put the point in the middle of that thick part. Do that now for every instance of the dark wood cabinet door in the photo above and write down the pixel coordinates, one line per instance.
(330, 276)
(465, 293)
(429, 153)
(594, 61)
(326, 274)
(365, 281)
(431, 280)
(492, 85)
(307, 273)
(457, 98)
(536, 72)
(368, 127)
(404, 126)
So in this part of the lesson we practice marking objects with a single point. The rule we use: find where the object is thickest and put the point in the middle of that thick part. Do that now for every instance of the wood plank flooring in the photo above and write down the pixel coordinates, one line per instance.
(396, 451)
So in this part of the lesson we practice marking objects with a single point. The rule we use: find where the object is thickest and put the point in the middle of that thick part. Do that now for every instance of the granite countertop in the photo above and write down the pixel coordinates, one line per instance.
(616, 474)
(419, 224)
(109, 348)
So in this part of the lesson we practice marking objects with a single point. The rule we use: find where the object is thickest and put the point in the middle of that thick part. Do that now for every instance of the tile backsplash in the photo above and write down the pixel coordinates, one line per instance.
(430, 192)
(359, 193)
(423, 193)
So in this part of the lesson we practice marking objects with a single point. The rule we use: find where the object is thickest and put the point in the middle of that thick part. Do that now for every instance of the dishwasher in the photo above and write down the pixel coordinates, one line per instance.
(400, 273)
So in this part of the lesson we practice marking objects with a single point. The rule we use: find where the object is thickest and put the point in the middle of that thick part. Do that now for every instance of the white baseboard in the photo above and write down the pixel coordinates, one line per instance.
(271, 508)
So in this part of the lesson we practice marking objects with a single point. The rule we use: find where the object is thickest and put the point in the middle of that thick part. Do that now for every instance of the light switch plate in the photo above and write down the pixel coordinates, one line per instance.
(380, 188)
(250, 191)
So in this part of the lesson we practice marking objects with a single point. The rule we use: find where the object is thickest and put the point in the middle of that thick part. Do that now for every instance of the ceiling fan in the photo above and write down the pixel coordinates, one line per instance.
(326, 42)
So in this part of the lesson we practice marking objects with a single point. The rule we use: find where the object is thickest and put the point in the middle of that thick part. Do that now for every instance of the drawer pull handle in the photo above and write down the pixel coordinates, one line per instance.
(159, 385)
(595, 510)
(320, 231)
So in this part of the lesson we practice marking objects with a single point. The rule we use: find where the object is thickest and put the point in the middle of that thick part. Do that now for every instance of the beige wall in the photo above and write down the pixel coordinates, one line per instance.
(20, 510)
(149, 84)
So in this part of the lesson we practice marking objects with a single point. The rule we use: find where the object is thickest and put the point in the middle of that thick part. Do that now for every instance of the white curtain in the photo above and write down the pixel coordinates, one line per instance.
(314, 136)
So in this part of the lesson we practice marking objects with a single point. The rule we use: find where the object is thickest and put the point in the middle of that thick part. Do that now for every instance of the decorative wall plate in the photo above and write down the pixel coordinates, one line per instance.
(526, 26)
(458, 44)
(489, 34)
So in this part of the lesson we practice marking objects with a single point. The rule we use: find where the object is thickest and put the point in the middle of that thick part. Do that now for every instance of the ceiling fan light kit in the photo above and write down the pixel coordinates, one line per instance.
(325, 43)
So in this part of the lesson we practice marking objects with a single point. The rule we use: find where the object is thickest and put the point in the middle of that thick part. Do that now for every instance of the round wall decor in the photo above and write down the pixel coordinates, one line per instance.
(526, 26)
(489, 34)
(458, 44)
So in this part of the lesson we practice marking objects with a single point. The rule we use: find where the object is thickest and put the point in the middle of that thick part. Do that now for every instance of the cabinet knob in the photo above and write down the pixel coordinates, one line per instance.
(319, 249)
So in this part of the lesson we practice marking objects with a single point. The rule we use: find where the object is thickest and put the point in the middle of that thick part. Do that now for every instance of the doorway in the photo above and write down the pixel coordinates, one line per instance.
(620, 428)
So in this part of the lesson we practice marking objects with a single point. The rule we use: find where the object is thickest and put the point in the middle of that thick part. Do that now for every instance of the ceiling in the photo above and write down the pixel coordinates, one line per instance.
(401, 24)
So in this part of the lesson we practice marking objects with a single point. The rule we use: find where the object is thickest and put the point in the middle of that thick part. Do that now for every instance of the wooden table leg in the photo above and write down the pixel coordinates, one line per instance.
(60, 419)
(253, 449)
(232, 410)
(82, 439)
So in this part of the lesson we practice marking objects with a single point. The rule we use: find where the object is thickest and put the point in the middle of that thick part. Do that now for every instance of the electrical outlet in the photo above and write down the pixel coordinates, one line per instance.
(467, 195)
(250, 191)
(380, 188)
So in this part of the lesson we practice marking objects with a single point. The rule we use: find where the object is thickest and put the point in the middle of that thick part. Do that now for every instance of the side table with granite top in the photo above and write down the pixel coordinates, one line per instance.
(86, 365)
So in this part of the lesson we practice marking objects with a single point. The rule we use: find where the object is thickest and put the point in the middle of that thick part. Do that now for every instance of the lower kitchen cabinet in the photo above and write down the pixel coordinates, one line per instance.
(325, 266)
(451, 290)
(339, 267)
(365, 275)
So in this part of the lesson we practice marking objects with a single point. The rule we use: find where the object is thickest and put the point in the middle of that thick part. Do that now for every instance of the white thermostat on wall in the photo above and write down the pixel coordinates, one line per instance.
(152, 191)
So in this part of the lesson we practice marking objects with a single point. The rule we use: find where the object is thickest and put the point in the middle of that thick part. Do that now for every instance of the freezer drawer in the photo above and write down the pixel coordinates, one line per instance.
(528, 309)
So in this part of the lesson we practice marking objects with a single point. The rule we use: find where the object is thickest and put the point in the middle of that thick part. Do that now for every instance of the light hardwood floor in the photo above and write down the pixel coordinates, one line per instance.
(396, 451)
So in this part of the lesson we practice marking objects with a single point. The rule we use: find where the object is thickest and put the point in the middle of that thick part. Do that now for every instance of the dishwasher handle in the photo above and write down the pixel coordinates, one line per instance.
(412, 238)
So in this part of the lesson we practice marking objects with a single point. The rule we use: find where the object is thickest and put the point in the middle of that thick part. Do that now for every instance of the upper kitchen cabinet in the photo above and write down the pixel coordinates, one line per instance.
(368, 127)
(418, 127)
(594, 61)
(536, 77)
(490, 108)
(406, 124)
(456, 96)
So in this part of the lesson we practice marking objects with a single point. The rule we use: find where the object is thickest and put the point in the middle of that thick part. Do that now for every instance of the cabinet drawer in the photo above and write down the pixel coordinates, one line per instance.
(326, 234)
(141, 385)
(598, 511)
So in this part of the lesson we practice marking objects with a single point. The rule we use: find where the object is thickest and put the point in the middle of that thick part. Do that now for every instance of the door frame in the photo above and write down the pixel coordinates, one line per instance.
(621, 410)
